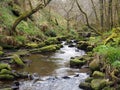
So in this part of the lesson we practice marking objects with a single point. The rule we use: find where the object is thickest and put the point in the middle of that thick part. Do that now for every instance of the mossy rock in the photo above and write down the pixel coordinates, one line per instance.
(89, 79)
(94, 65)
(76, 63)
(1, 53)
(98, 74)
(5, 71)
(109, 88)
(5, 66)
(6, 77)
(41, 44)
(85, 86)
(51, 41)
(50, 48)
(32, 45)
(17, 60)
(1, 48)
(98, 84)
(83, 45)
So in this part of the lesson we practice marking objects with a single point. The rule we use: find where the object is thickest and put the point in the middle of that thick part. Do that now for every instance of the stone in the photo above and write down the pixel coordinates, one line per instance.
(76, 63)
(5, 71)
(98, 74)
(89, 79)
(17, 60)
(94, 65)
(99, 84)
(5, 66)
(85, 86)
(50, 48)
(6, 77)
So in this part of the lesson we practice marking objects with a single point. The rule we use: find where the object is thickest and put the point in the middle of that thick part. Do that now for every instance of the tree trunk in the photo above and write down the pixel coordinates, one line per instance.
(94, 8)
(101, 14)
(110, 16)
(27, 14)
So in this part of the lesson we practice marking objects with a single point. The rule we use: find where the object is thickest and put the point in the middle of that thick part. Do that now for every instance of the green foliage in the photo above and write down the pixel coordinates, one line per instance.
(50, 33)
(21, 39)
(112, 54)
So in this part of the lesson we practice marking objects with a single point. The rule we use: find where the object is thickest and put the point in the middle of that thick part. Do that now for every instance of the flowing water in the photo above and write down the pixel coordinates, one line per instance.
(52, 68)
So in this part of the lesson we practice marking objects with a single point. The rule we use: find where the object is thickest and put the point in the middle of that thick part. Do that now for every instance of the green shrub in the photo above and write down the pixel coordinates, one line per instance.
(112, 54)
(50, 33)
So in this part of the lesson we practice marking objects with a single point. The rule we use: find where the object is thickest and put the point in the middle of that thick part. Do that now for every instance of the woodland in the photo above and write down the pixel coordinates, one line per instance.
(32, 32)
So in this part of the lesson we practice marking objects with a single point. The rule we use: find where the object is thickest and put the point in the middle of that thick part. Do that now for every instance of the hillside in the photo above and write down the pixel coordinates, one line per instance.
(45, 23)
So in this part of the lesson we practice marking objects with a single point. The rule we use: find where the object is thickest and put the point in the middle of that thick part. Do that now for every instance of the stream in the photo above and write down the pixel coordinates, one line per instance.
(51, 71)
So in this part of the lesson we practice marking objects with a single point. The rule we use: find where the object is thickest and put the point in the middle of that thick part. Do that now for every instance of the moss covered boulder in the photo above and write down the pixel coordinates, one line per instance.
(50, 48)
(94, 65)
(6, 77)
(5, 66)
(17, 60)
(85, 86)
(76, 63)
(99, 84)
(98, 74)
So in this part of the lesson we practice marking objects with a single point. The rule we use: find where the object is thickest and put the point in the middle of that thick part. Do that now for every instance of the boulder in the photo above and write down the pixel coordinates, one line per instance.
(5, 71)
(89, 79)
(50, 48)
(76, 63)
(99, 84)
(6, 77)
(16, 59)
(5, 66)
(94, 65)
(85, 86)
(98, 74)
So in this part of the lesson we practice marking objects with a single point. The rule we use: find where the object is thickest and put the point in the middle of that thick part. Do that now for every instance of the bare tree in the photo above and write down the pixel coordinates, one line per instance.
(86, 17)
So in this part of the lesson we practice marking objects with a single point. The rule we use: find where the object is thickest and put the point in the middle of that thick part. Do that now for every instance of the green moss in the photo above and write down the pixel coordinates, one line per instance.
(6, 77)
(1, 52)
(5, 66)
(32, 45)
(41, 44)
(5, 71)
(50, 41)
(17, 60)
(1, 48)
(98, 84)
(50, 48)
(98, 74)
(76, 62)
